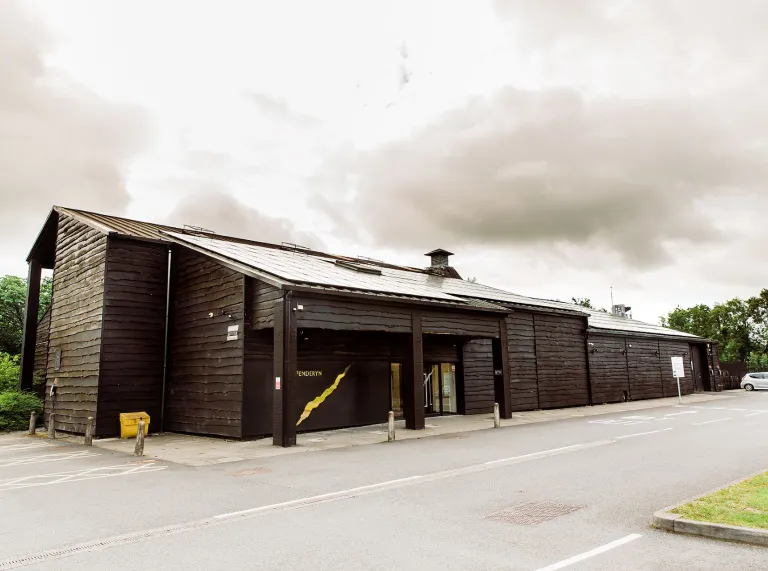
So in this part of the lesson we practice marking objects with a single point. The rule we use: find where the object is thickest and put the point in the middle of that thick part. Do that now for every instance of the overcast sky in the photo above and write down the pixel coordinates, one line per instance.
(557, 147)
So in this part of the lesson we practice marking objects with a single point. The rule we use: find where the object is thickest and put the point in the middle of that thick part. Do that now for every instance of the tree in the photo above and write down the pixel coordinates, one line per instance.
(740, 327)
(583, 302)
(13, 295)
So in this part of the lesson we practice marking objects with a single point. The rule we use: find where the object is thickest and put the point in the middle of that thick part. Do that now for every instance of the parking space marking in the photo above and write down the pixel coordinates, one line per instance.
(591, 553)
(78, 475)
(55, 457)
(644, 433)
(26, 446)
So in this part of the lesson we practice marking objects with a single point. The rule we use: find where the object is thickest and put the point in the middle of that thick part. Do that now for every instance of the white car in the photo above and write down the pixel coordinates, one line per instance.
(752, 381)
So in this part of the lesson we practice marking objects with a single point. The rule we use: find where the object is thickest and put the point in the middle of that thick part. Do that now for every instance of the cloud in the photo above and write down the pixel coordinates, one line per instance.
(214, 209)
(59, 143)
(636, 174)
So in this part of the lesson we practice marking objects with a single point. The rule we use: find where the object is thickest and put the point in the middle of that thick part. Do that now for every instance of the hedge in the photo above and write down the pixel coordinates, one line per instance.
(15, 409)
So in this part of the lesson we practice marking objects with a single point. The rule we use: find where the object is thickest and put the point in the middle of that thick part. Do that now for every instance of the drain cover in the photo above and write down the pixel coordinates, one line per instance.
(532, 513)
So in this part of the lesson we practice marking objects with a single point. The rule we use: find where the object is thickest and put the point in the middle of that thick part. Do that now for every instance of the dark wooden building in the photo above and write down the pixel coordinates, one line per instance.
(222, 336)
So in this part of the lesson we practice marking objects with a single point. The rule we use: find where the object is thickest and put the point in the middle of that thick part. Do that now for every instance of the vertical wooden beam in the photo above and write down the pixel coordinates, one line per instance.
(414, 403)
(30, 325)
(589, 364)
(501, 362)
(285, 361)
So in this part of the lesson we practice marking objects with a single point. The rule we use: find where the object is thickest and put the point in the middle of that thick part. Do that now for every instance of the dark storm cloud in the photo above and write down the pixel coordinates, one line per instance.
(631, 174)
(59, 143)
(213, 209)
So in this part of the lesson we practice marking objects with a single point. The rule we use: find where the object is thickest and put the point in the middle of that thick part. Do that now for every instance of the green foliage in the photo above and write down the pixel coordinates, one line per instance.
(9, 372)
(15, 409)
(13, 295)
(739, 326)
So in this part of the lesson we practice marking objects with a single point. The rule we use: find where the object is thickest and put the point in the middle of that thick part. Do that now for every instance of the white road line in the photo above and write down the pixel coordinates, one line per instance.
(77, 475)
(753, 414)
(26, 460)
(643, 433)
(710, 421)
(684, 412)
(597, 551)
(18, 447)
(371, 488)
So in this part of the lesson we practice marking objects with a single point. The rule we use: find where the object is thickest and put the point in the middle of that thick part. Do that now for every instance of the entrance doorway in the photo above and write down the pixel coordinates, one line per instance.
(440, 394)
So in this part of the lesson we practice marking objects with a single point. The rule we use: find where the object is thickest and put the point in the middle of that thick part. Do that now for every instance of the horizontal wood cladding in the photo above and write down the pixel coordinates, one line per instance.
(561, 361)
(263, 299)
(644, 366)
(523, 378)
(351, 315)
(205, 379)
(40, 369)
(341, 314)
(669, 349)
(133, 333)
(478, 376)
(608, 369)
(442, 349)
(466, 324)
(76, 319)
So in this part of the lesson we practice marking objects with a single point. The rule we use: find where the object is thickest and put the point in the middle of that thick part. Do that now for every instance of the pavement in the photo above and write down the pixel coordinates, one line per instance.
(575, 493)
(204, 451)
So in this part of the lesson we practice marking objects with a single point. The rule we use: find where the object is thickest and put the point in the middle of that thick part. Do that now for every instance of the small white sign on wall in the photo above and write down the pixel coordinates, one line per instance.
(232, 332)
(677, 367)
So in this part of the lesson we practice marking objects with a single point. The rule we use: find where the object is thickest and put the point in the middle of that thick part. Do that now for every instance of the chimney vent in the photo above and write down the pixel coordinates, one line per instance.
(439, 258)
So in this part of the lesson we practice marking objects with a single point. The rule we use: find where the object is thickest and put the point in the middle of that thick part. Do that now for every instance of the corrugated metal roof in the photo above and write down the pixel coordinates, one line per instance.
(320, 270)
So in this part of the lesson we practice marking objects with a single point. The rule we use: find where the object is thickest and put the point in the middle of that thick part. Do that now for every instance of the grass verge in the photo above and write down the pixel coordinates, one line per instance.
(744, 504)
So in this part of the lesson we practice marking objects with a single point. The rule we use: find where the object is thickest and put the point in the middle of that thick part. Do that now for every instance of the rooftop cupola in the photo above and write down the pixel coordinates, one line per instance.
(439, 258)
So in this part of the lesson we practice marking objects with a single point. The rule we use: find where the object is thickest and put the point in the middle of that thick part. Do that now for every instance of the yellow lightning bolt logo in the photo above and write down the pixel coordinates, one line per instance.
(312, 405)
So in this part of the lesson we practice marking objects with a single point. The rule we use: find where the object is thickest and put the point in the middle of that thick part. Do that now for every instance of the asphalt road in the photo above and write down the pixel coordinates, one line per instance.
(446, 503)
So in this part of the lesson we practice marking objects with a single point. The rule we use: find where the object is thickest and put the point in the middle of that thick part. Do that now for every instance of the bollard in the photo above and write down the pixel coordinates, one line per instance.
(51, 426)
(139, 450)
(32, 424)
(89, 432)
(496, 417)
(391, 427)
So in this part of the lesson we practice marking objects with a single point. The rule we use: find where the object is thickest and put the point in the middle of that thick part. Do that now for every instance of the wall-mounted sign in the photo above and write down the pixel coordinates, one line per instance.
(232, 332)
(277, 383)
(309, 373)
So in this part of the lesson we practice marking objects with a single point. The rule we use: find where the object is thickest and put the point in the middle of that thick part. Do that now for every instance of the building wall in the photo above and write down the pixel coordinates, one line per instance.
(669, 349)
(477, 371)
(204, 389)
(133, 334)
(262, 303)
(523, 377)
(644, 366)
(76, 318)
(40, 369)
(608, 369)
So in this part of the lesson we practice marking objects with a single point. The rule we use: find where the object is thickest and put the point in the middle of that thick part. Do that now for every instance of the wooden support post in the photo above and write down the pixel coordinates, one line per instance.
(30, 326)
(89, 432)
(414, 401)
(496, 417)
(139, 449)
(391, 427)
(32, 424)
(501, 364)
(284, 415)
(52, 426)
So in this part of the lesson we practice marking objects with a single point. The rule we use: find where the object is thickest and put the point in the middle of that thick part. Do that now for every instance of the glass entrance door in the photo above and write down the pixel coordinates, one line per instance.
(440, 396)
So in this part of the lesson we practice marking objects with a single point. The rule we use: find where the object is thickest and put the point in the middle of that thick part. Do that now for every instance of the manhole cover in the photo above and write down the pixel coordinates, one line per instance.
(250, 472)
(532, 513)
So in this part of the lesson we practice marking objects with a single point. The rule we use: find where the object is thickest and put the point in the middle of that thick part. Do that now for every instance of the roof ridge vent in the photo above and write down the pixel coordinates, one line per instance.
(196, 229)
(355, 267)
(294, 247)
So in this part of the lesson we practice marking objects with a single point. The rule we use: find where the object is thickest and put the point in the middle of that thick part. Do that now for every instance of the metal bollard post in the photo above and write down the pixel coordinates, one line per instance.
(139, 450)
(89, 432)
(391, 427)
(32, 424)
(51, 426)
(496, 417)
